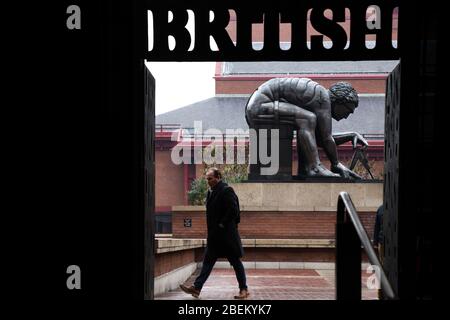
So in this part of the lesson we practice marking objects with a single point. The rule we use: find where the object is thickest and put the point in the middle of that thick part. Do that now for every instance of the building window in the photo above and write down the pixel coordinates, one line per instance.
(163, 222)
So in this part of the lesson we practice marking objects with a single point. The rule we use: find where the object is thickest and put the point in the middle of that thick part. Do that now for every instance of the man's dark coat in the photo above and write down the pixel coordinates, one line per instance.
(222, 208)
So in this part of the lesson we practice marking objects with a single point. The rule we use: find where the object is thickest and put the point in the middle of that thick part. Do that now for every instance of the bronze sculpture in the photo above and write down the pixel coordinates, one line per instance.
(308, 107)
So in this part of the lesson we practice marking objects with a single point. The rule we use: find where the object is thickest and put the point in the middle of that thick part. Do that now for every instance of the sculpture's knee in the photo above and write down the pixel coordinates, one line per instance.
(307, 122)
(312, 120)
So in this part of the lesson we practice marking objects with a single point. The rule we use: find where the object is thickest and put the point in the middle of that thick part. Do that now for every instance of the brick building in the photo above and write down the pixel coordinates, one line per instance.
(235, 81)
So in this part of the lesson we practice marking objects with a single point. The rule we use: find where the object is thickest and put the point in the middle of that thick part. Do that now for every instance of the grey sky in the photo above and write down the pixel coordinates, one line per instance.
(178, 84)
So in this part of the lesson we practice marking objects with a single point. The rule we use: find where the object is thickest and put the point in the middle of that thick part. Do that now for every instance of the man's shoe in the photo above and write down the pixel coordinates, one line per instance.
(190, 290)
(243, 294)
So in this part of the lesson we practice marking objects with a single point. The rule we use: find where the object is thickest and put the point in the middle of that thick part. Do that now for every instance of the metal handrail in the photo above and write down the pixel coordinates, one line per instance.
(160, 127)
(346, 210)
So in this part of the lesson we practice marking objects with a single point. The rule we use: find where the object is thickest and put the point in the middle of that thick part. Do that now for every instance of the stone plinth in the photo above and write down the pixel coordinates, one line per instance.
(307, 196)
(284, 152)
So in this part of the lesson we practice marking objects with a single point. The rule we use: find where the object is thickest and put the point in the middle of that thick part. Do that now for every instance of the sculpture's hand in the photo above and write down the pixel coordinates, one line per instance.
(345, 172)
(359, 139)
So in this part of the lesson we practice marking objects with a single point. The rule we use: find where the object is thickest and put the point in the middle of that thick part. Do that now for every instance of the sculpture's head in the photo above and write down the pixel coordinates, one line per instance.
(344, 100)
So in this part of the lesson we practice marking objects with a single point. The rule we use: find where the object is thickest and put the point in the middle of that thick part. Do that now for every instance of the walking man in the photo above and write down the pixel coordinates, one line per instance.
(222, 216)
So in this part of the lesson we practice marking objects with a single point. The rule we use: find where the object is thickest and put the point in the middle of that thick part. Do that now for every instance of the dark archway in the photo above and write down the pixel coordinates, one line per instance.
(418, 67)
(109, 79)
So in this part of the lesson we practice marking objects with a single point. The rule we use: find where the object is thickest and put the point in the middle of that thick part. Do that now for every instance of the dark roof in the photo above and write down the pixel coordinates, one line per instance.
(228, 113)
(308, 67)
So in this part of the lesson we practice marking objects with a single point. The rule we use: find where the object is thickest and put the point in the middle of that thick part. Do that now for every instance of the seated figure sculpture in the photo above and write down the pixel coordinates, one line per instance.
(309, 108)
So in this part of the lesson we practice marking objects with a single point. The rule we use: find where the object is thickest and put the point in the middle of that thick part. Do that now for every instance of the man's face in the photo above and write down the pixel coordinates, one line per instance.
(342, 111)
(212, 181)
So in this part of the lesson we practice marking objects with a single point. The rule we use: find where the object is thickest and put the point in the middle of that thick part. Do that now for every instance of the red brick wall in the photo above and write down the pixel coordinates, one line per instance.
(197, 230)
(283, 255)
(289, 254)
(166, 262)
(169, 180)
(267, 225)
(361, 85)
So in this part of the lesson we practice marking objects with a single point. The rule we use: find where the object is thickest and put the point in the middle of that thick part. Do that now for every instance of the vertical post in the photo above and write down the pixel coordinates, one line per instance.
(348, 258)
(149, 185)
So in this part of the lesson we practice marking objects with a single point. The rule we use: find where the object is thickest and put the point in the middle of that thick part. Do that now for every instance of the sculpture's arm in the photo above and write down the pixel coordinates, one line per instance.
(344, 137)
(324, 137)
(327, 142)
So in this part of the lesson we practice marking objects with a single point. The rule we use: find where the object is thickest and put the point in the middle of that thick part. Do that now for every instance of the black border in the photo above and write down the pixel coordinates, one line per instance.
(87, 170)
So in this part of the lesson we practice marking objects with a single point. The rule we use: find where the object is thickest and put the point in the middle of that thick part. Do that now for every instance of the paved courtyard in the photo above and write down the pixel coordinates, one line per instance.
(270, 284)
